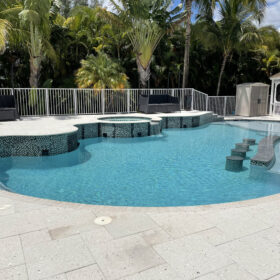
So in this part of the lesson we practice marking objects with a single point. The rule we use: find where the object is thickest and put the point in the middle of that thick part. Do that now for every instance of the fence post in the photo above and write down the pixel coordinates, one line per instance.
(103, 101)
(47, 104)
(225, 106)
(192, 99)
(128, 100)
(172, 92)
(12, 91)
(207, 100)
(75, 102)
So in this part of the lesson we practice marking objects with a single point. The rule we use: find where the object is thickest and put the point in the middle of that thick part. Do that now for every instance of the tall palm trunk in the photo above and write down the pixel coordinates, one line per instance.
(144, 73)
(35, 53)
(226, 55)
(35, 67)
(187, 43)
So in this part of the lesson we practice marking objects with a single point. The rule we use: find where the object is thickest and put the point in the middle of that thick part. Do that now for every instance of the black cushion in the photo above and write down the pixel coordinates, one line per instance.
(7, 101)
(161, 98)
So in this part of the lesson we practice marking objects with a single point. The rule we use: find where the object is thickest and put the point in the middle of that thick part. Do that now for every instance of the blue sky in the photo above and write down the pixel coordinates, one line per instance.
(272, 13)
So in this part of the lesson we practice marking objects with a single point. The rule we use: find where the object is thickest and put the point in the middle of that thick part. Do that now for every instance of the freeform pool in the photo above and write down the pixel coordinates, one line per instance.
(180, 167)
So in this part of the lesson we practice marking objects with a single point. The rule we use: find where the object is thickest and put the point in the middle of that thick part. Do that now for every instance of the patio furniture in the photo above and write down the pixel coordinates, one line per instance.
(8, 110)
(161, 103)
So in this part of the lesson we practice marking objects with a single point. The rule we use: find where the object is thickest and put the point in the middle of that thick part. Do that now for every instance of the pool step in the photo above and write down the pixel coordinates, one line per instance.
(249, 141)
(239, 153)
(242, 146)
(234, 163)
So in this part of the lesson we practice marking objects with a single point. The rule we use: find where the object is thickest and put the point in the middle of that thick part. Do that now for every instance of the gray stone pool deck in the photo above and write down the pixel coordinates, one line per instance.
(43, 239)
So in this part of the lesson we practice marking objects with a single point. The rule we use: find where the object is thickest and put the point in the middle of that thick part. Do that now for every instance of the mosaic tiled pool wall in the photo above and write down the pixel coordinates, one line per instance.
(38, 145)
(58, 144)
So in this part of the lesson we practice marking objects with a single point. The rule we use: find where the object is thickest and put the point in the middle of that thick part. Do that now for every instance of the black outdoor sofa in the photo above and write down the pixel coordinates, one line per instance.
(8, 110)
(158, 103)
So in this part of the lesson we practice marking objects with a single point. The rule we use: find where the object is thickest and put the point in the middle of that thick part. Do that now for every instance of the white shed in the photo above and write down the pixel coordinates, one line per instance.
(274, 108)
(252, 99)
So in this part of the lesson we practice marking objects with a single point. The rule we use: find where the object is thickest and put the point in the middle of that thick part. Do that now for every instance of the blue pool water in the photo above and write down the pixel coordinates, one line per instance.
(179, 167)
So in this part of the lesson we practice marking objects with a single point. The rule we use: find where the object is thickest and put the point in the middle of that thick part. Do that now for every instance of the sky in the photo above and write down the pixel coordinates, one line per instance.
(272, 13)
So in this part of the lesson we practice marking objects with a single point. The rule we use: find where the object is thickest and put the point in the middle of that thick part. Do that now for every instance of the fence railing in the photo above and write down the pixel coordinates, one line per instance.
(57, 101)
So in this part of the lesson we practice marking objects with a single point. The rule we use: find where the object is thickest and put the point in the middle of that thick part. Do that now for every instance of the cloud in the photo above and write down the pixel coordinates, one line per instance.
(272, 12)
(108, 5)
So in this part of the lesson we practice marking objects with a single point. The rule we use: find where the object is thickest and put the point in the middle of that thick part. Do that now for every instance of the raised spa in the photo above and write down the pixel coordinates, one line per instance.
(124, 119)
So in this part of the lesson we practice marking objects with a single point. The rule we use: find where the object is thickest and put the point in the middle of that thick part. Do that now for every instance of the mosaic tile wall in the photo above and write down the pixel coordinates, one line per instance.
(58, 144)
(38, 145)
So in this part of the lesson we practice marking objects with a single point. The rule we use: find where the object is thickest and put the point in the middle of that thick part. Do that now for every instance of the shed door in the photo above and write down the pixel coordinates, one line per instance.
(259, 101)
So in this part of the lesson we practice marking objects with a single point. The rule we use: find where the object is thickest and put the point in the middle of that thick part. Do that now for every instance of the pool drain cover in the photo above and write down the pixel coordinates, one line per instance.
(102, 221)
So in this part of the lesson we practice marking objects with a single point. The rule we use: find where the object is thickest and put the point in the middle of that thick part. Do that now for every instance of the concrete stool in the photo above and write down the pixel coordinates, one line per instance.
(249, 141)
(239, 153)
(234, 163)
(242, 146)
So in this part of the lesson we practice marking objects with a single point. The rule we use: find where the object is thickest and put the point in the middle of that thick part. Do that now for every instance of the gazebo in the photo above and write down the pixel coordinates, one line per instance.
(274, 108)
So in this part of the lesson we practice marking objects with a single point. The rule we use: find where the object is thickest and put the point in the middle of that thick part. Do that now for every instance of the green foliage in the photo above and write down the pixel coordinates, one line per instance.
(145, 40)
(101, 72)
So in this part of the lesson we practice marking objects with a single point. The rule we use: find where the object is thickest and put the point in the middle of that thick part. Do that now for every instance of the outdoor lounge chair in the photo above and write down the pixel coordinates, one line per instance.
(8, 110)
(161, 103)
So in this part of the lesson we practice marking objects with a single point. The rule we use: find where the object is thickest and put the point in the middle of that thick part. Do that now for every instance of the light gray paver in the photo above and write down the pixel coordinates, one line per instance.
(11, 252)
(97, 236)
(125, 256)
(234, 272)
(255, 254)
(55, 257)
(34, 237)
(210, 276)
(127, 224)
(57, 217)
(86, 273)
(21, 223)
(192, 256)
(155, 236)
(57, 277)
(162, 272)
(179, 224)
(276, 277)
(14, 273)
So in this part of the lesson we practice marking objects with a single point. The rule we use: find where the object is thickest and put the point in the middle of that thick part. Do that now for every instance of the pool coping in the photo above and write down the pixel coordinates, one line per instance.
(136, 209)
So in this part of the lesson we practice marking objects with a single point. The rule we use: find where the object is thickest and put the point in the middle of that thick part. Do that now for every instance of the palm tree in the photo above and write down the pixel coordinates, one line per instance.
(7, 9)
(4, 29)
(145, 22)
(35, 22)
(101, 72)
(207, 7)
(269, 50)
(235, 27)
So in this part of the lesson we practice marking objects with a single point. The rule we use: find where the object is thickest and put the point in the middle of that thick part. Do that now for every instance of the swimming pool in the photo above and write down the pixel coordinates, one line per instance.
(180, 167)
